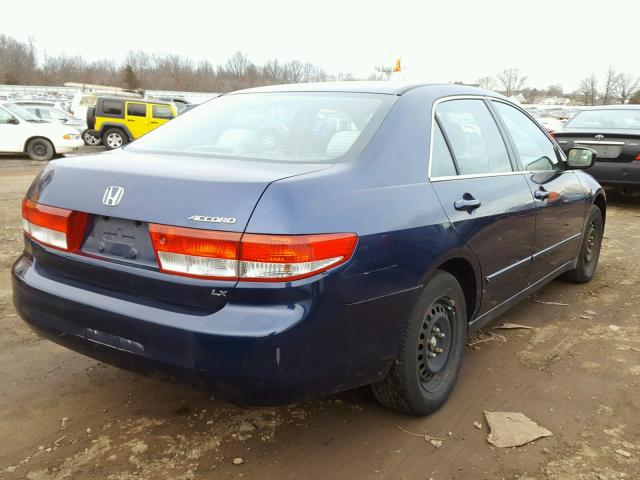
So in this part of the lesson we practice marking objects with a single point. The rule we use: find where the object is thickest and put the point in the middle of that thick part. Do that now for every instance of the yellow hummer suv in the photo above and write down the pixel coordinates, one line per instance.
(118, 121)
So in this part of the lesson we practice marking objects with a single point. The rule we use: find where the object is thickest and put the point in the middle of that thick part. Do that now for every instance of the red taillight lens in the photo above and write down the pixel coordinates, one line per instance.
(638, 157)
(252, 257)
(56, 227)
(196, 253)
(273, 257)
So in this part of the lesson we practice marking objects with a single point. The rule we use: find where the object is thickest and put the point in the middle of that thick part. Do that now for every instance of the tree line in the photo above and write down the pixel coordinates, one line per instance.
(616, 87)
(19, 66)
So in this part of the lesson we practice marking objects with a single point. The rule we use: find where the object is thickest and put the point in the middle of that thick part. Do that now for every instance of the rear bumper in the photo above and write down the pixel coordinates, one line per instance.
(617, 174)
(249, 353)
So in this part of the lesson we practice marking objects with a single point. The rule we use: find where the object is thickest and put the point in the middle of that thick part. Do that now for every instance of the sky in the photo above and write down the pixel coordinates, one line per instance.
(550, 42)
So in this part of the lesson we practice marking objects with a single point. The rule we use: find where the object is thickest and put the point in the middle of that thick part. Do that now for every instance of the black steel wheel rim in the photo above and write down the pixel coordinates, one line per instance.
(592, 243)
(435, 343)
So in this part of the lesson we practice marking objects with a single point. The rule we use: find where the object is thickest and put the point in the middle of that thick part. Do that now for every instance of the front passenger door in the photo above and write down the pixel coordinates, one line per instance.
(488, 203)
(137, 119)
(560, 199)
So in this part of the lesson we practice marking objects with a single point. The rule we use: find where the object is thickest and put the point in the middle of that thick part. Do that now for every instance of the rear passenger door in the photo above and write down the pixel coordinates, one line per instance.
(560, 199)
(486, 199)
(160, 114)
(137, 118)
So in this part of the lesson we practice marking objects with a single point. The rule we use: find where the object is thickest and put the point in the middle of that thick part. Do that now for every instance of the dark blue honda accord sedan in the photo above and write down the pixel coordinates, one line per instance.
(281, 243)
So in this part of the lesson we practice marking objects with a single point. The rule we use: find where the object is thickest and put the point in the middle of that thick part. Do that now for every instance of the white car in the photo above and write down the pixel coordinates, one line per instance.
(23, 132)
(47, 111)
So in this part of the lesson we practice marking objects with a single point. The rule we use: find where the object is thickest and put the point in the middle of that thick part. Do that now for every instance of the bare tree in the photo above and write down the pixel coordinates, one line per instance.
(555, 90)
(511, 80)
(609, 92)
(237, 65)
(628, 85)
(589, 89)
(489, 83)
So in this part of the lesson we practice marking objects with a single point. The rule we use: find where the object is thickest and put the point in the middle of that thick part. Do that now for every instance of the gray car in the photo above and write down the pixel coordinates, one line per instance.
(47, 111)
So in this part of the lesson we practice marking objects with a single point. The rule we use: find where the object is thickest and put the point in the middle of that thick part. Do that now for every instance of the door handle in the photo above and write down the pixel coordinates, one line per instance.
(467, 203)
(153, 123)
(130, 120)
(541, 194)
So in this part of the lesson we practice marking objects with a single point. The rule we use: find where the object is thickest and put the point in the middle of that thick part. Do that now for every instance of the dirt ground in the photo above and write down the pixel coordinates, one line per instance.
(65, 416)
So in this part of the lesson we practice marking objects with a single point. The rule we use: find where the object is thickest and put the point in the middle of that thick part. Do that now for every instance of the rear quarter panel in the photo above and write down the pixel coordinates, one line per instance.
(383, 196)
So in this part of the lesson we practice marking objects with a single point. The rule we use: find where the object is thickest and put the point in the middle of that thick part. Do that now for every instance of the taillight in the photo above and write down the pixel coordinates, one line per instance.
(56, 227)
(289, 257)
(197, 253)
(250, 257)
(638, 157)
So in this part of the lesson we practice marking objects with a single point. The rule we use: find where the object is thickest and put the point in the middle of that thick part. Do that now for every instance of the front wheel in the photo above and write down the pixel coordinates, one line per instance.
(114, 138)
(426, 369)
(589, 250)
(40, 149)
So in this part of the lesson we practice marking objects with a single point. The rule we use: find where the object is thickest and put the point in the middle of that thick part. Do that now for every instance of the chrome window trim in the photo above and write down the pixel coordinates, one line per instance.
(433, 122)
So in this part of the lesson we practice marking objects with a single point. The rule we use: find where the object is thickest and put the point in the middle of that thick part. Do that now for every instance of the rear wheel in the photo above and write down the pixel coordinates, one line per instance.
(114, 138)
(426, 369)
(589, 250)
(40, 149)
(90, 139)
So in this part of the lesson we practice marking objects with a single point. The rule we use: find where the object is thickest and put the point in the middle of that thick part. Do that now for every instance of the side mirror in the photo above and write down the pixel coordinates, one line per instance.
(13, 121)
(581, 158)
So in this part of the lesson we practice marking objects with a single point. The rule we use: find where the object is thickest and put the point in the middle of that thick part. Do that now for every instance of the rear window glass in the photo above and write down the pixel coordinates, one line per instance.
(621, 118)
(112, 107)
(162, 111)
(137, 109)
(282, 126)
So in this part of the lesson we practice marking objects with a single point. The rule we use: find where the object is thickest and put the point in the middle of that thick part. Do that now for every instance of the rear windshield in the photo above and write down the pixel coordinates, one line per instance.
(282, 126)
(621, 118)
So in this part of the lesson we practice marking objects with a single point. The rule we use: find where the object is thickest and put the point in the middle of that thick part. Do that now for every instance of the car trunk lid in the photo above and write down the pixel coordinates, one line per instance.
(184, 191)
(611, 145)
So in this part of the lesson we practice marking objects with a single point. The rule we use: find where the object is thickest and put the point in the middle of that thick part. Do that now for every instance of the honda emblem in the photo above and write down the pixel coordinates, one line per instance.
(112, 196)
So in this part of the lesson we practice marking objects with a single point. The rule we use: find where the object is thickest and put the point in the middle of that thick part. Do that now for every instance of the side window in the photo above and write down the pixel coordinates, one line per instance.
(162, 111)
(42, 113)
(112, 107)
(441, 160)
(474, 137)
(4, 117)
(534, 148)
(137, 109)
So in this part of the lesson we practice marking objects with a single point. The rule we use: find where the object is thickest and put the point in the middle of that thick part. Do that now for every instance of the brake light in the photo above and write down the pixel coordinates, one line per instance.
(638, 157)
(249, 257)
(196, 253)
(278, 257)
(56, 227)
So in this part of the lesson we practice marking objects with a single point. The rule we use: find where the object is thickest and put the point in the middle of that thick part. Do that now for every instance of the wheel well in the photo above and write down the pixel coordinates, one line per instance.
(24, 149)
(466, 276)
(105, 128)
(601, 203)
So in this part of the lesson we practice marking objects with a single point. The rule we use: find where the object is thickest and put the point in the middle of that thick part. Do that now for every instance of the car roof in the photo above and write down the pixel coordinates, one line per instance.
(379, 87)
(612, 107)
(136, 99)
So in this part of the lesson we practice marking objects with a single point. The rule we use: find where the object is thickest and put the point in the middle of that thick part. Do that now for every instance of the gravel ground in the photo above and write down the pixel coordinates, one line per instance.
(576, 373)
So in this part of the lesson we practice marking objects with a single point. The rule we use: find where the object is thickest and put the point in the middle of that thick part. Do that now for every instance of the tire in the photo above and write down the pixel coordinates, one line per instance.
(416, 383)
(589, 250)
(90, 140)
(40, 149)
(114, 138)
(91, 117)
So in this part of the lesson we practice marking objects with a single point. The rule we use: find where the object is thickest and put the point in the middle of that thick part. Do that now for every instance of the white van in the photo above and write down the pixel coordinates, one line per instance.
(23, 132)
